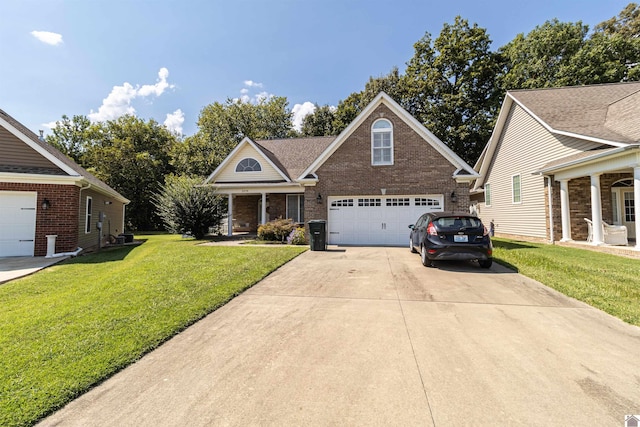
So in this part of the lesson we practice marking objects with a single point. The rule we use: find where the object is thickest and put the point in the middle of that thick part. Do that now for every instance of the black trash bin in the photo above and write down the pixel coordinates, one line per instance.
(318, 235)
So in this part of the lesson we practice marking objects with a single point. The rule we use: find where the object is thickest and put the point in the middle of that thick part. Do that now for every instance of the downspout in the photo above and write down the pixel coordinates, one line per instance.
(550, 195)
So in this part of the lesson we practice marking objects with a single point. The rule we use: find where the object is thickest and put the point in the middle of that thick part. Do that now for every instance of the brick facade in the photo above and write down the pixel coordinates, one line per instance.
(418, 169)
(580, 204)
(60, 219)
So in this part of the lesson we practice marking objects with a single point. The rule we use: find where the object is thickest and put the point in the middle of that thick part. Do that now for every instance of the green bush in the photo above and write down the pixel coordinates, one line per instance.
(186, 207)
(298, 237)
(276, 230)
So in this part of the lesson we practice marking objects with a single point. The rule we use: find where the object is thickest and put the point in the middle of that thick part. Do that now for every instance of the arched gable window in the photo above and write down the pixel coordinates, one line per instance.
(382, 142)
(248, 165)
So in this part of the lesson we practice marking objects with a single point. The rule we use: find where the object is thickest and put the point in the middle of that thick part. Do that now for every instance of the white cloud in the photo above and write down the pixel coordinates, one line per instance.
(118, 102)
(174, 121)
(48, 37)
(251, 83)
(300, 111)
(49, 125)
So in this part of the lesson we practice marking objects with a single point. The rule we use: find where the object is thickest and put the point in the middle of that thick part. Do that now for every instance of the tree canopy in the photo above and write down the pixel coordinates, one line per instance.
(221, 126)
(453, 84)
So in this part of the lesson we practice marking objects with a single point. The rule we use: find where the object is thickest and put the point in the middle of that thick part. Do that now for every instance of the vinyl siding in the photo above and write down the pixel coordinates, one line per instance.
(113, 221)
(229, 174)
(14, 152)
(524, 147)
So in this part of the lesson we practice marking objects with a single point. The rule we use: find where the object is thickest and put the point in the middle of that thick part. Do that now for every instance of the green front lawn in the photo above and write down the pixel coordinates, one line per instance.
(608, 282)
(71, 326)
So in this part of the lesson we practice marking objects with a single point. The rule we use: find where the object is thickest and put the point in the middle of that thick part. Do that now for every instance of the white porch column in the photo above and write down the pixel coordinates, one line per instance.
(636, 202)
(565, 211)
(230, 216)
(596, 210)
(263, 216)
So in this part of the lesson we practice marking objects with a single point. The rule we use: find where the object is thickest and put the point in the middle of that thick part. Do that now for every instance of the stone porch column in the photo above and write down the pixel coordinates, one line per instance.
(565, 211)
(596, 210)
(636, 202)
(230, 216)
(263, 214)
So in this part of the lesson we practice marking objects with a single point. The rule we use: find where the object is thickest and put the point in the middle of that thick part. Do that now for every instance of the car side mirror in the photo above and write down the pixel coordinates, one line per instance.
(411, 226)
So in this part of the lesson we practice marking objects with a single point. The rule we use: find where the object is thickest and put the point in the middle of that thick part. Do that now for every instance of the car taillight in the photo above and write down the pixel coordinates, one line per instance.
(431, 230)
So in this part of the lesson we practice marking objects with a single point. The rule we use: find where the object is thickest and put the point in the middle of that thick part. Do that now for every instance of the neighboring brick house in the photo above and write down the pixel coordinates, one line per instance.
(369, 183)
(560, 155)
(43, 192)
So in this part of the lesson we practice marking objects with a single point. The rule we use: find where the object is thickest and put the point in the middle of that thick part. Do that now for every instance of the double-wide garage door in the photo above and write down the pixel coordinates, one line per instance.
(17, 223)
(377, 220)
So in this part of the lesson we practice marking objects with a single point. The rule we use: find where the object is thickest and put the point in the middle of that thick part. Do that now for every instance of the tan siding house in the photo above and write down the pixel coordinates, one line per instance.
(558, 156)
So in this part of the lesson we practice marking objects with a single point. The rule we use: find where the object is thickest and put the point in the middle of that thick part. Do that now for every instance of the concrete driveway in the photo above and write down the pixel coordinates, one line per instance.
(14, 267)
(368, 336)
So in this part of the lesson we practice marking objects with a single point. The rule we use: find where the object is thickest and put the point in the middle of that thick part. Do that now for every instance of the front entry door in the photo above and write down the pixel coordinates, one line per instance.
(628, 213)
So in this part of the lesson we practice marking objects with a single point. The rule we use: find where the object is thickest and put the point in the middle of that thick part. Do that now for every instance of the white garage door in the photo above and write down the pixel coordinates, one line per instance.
(17, 223)
(377, 220)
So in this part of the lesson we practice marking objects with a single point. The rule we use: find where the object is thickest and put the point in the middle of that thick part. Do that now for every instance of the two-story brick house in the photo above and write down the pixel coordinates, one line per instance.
(369, 183)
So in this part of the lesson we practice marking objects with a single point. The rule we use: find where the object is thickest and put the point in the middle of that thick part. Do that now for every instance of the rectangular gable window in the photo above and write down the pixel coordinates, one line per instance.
(487, 194)
(88, 215)
(516, 191)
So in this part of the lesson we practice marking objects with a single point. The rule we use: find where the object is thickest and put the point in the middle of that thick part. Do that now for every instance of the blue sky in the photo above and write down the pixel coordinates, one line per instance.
(166, 60)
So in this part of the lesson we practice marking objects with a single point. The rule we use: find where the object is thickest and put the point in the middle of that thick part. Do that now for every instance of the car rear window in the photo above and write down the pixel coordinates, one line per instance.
(457, 222)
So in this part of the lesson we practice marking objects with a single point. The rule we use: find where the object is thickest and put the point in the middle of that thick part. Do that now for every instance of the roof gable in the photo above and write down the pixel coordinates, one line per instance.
(595, 113)
(226, 170)
(65, 164)
(415, 125)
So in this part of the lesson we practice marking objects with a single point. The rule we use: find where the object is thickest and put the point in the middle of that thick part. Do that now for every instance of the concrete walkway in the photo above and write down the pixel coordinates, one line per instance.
(368, 336)
(14, 267)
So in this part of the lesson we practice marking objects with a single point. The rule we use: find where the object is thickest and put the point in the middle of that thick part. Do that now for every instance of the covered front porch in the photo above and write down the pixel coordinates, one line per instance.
(597, 197)
(249, 207)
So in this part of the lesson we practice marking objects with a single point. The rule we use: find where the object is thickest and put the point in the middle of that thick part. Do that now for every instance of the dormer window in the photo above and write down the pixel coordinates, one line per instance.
(382, 143)
(248, 165)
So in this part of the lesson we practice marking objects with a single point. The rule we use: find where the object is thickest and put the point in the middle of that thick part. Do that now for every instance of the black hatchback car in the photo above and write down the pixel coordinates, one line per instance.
(451, 236)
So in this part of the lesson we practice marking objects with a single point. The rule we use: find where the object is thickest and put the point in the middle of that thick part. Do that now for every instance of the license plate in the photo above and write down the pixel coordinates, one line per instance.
(460, 238)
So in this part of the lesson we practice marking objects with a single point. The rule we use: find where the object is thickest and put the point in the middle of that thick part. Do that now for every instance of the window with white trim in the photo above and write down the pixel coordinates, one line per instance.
(248, 165)
(369, 202)
(342, 203)
(382, 143)
(516, 189)
(487, 194)
(421, 201)
(398, 202)
(87, 215)
(295, 207)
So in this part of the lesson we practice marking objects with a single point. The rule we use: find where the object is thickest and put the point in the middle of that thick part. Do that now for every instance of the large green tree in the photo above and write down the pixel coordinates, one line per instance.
(450, 86)
(221, 126)
(320, 122)
(543, 57)
(133, 156)
(72, 135)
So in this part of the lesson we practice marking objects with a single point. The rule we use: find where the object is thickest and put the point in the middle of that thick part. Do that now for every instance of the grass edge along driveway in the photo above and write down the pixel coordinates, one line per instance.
(71, 326)
(608, 282)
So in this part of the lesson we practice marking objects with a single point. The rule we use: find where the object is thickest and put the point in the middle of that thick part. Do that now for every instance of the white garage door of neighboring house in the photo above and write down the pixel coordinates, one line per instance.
(17, 223)
(377, 220)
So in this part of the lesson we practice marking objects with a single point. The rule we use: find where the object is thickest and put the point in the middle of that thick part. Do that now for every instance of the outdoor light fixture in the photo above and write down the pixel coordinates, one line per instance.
(108, 202)
(319, 199)
(46, 204)
(454, 197)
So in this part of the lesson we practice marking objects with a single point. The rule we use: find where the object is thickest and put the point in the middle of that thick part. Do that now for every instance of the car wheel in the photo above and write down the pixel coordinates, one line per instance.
(413, 250)
(485, 263)
(423, 256)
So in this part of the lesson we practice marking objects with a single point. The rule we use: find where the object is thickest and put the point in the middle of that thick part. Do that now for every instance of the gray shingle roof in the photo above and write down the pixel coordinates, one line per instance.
(586, 110)
(294, 155)
(54, 152)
